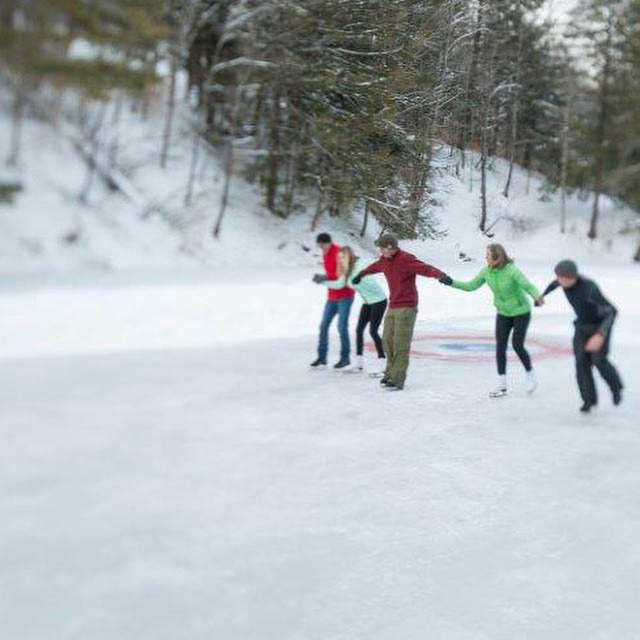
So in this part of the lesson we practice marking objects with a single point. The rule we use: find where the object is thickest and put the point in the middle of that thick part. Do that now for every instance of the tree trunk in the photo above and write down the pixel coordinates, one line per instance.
(115, 123)
(195, 152)
(515, 107)
(210, 110)
(601, 133)
(512, 153)
(319, 210)
(292, 171)
(92, 156)
(168, 123)
(228, 163)
(483, 179)
(258, 110)
(595, 212)
(470, 91)
(563, 167)
(274, 153)
(6, 14)
(16, 126)
(366, 219)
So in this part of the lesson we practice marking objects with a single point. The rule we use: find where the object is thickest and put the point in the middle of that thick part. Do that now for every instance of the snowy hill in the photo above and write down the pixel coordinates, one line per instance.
(170, 462)
(47, 228)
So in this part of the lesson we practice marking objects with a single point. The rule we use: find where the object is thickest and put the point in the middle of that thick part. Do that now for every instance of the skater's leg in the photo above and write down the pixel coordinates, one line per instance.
(377, 313)
(504, 324)
(363, 319)
(503, 329)
(520, 325)
(387, 340)
(344, 308)
(584, 372)
(402, 344)
(608, 372)
(330, 310)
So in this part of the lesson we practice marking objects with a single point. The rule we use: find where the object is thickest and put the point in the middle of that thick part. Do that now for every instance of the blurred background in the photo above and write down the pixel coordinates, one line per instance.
(169, 469)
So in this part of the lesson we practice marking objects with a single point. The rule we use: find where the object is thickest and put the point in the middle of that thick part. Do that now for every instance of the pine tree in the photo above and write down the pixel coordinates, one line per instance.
(597, 26)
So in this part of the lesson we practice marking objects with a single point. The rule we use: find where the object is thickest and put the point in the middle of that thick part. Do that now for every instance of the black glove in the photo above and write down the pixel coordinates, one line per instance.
(319, 277)
(356, 279)
(445, 279)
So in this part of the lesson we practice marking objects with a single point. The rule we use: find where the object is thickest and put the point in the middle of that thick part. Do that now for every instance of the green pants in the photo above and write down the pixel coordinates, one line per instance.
(396, 336)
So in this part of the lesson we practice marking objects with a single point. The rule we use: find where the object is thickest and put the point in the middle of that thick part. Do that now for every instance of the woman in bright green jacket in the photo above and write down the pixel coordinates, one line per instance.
(510, 288)
(374, 302)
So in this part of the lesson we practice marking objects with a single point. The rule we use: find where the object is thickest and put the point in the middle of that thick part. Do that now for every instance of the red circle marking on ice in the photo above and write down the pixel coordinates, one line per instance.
(540, 349)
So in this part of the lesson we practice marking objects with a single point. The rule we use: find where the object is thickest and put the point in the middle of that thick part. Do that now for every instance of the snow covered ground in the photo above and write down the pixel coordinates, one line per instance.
(170, 469)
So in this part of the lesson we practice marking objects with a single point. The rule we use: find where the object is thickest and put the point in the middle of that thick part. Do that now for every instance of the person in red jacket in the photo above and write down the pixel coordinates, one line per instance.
(338, 303)
(400, 269)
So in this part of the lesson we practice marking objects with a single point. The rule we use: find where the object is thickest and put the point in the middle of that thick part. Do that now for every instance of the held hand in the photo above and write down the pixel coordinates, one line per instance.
(594, 343)
(356, 279)
(319, 277)
(445, 279)
(538, 301)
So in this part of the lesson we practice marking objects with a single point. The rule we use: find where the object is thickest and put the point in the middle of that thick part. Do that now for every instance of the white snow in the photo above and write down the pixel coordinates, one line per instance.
(171, 469)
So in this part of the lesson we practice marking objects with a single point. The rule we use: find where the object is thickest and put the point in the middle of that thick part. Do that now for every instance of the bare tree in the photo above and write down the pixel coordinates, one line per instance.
(228, 162)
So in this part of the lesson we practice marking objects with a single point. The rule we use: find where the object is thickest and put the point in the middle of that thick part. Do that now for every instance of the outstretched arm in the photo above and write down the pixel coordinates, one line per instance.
(470, 285)
(374, 267)
(552, 286)
(423, 269)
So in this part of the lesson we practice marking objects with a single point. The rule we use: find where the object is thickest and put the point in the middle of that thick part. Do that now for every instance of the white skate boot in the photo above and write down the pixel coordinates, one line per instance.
(377, 370)
(501, 388)
(532, 383)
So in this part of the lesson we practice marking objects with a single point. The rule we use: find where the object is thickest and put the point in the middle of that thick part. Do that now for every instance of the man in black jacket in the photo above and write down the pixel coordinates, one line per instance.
(595, 316)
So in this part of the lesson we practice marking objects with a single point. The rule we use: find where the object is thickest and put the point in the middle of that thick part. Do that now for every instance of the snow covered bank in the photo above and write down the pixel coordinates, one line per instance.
(47, 229)
(110, 315)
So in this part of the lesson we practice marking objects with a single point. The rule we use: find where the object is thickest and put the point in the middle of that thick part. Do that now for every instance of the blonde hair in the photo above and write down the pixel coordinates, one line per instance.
(498, 255)
(346, 260)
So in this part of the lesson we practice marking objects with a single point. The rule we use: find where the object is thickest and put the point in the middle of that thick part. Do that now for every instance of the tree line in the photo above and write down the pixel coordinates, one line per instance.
(342, 103)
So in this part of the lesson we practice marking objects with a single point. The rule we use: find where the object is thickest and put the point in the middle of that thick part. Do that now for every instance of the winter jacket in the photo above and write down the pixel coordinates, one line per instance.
(401, 270)
(591, 307)
(509, 286)
(331, 271)
(368, 288)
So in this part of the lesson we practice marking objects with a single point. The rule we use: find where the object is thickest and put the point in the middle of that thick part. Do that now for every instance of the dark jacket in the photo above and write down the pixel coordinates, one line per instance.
(400, 271)
(591, 307)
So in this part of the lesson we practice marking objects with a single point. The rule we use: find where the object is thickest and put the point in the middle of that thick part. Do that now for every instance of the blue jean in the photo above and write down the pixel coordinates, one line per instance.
(341, 308)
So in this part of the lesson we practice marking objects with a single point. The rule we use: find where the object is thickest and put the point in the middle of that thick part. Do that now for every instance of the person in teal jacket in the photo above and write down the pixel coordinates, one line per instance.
(374, 301)
(510, 288)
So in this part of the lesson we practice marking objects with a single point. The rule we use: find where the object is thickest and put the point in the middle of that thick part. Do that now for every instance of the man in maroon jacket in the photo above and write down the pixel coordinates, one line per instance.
(338, 303)
(400, 269)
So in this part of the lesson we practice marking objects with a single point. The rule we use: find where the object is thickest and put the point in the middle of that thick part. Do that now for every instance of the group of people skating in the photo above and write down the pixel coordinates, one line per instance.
(345, 274)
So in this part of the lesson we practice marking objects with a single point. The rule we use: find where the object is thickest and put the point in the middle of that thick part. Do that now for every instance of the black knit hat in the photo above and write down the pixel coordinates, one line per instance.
(323, 238)
(387, 241)
(567, 269)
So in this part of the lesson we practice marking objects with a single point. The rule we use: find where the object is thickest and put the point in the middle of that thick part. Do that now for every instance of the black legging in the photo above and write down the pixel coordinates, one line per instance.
(371, 314)
(586, 361)
(504, 324)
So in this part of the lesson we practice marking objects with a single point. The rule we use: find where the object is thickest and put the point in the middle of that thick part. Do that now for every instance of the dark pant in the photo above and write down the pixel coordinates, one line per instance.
(370, 314)
(586, 361)
(504, 324)
(341, 308)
